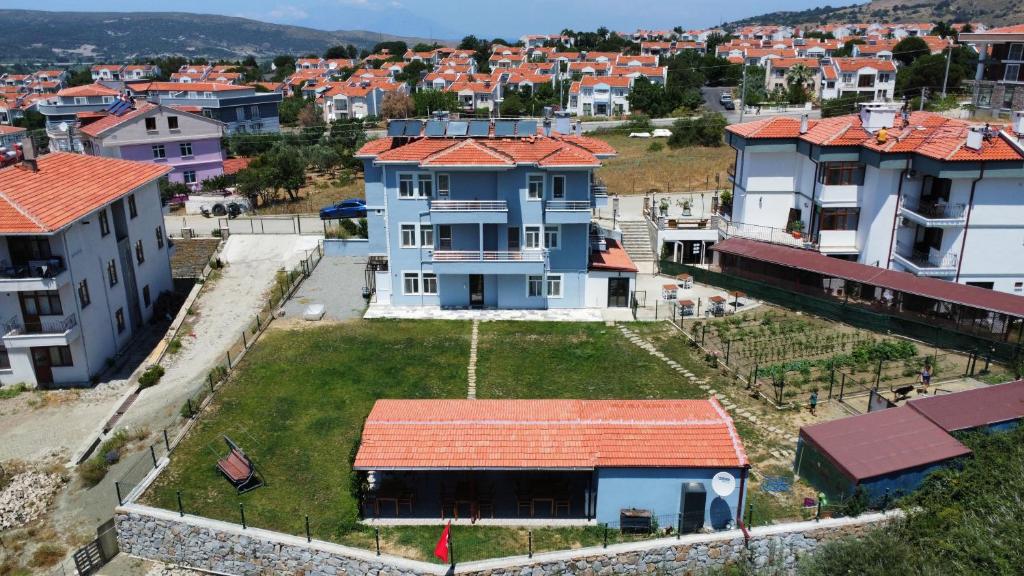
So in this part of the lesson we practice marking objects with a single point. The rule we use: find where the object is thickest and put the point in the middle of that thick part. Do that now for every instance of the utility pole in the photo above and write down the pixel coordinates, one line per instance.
(743, 92)
(949, 56)
(924, 96)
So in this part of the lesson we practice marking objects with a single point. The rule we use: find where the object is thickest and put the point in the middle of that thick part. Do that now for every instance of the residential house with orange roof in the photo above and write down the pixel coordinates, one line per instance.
(11, 135)
(600, 96)
(357, 97)
(870, 78)
(84, 261)
(915, 192)
(240, 108)
(775, 75)
(490, 214)
(999, 74)
(63, 109)
(665, 463)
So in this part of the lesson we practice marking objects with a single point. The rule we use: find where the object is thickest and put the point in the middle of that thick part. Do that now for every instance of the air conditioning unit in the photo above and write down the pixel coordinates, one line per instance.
(906, 222)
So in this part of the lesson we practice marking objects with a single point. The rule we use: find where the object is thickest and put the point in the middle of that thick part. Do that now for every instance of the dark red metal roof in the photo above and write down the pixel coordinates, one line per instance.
(973, 408)
(811, 261)
(883, 442)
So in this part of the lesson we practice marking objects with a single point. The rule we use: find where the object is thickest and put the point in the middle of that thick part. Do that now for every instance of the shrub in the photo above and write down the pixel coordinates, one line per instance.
(174, 346)
(47, 554)
(12, 391)
(656, 147)
(151, 376)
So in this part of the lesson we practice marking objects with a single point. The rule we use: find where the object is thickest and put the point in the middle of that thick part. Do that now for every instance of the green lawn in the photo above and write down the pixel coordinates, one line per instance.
(297, 402)
(570, 360)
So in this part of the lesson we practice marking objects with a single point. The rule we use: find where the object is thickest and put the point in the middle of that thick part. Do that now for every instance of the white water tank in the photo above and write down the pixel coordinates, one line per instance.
(877, 115)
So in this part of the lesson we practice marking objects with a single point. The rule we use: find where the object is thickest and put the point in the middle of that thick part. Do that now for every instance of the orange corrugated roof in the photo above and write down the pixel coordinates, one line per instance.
(65, 188)
(614, 258)
(548, 434)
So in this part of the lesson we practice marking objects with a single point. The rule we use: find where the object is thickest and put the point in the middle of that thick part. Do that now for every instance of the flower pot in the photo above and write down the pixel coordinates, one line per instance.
(797, 234)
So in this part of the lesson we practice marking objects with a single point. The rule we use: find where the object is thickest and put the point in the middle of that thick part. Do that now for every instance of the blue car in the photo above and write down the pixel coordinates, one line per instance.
(351, 208)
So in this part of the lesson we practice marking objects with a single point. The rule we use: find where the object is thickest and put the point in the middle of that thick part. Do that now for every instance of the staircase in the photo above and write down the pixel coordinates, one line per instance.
(636, 239)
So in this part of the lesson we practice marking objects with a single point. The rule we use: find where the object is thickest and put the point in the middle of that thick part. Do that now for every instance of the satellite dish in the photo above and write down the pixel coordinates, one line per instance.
(723, 484)
(63, 126)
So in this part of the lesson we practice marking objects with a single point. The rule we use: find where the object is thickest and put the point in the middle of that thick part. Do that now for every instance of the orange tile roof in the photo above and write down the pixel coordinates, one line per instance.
(790, 62)
(65, 188)
(855, 64)
(8, 130)
(110, 121)
(234, 165)
(615, 258)
(544, 151)
(188, 87)
(548, 434)
(88, 90)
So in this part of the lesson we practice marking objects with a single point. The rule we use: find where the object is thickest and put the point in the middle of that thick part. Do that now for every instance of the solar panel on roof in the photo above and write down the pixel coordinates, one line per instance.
(396, 128)
(435, 128)
(457, 128)
(479, 127)
(504, 128)
(526, 128)
(413, 127)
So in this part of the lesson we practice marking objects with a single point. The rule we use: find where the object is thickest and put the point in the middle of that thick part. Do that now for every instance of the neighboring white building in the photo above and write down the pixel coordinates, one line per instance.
(84, 259)
(600, 96)
(867, 77)
(924, 193)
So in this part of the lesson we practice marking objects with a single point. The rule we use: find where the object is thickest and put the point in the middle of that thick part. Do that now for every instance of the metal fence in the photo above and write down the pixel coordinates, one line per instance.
(284, 224)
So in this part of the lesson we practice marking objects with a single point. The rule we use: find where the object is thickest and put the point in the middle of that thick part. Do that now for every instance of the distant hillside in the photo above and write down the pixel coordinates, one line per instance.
(31, 35)
(991, 12)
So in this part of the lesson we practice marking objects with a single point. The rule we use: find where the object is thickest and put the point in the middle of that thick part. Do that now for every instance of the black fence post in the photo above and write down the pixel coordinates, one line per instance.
(228, 354)
(241, 512)
(152, 452)
(831, 378)
(605, 535)
(728, 351)
(245, 342)
(167, 441)
(376, 537)
(842, 386)
(679, 526)
(309, 538)
(703, 333)
(878, 373)
(529, 541)
(181, 508)
(191, 412)
(117, 488)
(885, 501)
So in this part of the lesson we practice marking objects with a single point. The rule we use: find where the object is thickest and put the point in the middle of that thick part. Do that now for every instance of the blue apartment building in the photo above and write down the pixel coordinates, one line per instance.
(490, 214)
(241, 108)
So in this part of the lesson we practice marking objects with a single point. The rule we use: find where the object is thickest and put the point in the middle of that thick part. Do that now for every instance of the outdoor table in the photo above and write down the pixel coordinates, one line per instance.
(737, 295)
(685, 280)
(686, 307)
(668, 291)
(717, 304)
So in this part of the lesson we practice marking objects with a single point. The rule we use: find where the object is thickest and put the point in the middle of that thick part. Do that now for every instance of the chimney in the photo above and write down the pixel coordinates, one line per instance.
(579, 128)
(28, 154)
(877, 115)
(975, 137)
(547, 126)
(803, 124)
(1018, 123)
(562, 123)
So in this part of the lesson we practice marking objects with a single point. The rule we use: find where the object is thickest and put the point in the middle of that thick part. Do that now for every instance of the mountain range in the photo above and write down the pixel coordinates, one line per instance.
(38, 36)
(991, 12)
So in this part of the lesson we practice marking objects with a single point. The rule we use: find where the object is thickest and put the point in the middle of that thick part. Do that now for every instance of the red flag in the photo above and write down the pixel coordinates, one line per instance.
(441, 550)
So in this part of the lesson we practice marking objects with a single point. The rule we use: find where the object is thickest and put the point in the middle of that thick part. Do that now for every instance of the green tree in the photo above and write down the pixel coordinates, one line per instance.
(513, 105)
(648, 98)
(335, 52)
(254, 182)
(288, 110)
(846, 50)
(421, 47)
(929, 71)
(909, 49)
(798, 78)
(412, 72)
(706, 130)
(428, 101)
(80, 77)
(286, 169)
(944, 30)
(395, 47)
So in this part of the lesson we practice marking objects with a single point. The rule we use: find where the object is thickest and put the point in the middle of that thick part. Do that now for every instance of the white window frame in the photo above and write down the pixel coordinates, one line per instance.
(415, 277)
(1020, 54)
(403, 229)
(186, 149)
(538, 280)
(556, 231)
(539, 234)
(446, 190)
(1007, 77)
(411, 179)
(560, 279)
(554, 187)
(81, 100)
(189, 180)
(428, 277)
(421, 179)
(159, 152)
(424, 231)
(530, 179)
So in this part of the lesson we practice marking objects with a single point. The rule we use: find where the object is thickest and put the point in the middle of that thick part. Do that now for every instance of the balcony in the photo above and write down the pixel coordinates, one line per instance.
(930, 262)
(489, 262)
(932, 214)
(598, 194)
(567, 212)
(48, 274)
(46, 331)
(468, 212)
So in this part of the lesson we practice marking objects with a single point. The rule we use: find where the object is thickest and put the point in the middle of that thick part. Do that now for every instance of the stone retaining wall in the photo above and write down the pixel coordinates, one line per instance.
(226, 548)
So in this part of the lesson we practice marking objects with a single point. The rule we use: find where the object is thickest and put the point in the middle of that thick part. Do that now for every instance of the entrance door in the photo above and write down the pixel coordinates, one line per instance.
(42, 364)
(618, 292)
(692, 503)
(476, 291)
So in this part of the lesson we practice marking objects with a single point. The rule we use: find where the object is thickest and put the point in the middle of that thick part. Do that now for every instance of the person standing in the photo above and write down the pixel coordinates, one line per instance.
(813, 402)
(926, 379)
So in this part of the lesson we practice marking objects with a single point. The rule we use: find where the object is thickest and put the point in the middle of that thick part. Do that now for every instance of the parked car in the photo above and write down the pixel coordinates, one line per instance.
(351, 208)
(729, 105)
(725, 97)
(639, 134)
(662, 133)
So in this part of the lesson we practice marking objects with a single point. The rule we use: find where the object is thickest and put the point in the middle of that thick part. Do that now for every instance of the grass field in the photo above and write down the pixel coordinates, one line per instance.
(636, 169)
(297, 402)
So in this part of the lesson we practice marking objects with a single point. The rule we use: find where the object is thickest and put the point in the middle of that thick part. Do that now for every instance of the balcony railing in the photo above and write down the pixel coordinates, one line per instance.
(935, 210)
(488, 256)
(760, 233)
(468, 205)
(927, 258)
(47, 268)
(15, 327)
(567, 205)
(598, 189)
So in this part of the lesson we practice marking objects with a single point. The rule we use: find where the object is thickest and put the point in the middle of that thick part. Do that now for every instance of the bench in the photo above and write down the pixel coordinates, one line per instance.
(239, 469)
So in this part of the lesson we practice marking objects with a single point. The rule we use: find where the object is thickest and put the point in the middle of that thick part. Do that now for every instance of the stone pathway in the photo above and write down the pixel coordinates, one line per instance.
(727, 403)
(437, 313)
(472, 360)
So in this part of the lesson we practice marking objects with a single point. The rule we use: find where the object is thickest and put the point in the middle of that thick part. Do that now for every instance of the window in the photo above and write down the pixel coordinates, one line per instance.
(532, 236)
(551, 237)
(140, 255)
(558, 187)
(839, 218)
(41, 303)
(1018, 287)
(189, 176)
(535, 187)
(985, 95)
(555, 286)
(1016, 52)
(112, 273)
(80, 100)
(443, 185)
(5, 360)
(58, 355)
(408, 235)
(426, 185)
(883, 78)
(119, 316)
(145, 295)
(186, 149)
(104, 223)
(254, 112)
(411, 283)
(445, 240)
(513, 238)
(1008, 93)
(150, 124)
(160, 237)
(1012, 73)
(429, 283)
(158, 152)
(427, 236)
(133, 210)
(172, 122)
(83, 293)
(405, 186)
(842, 174)
(534, 285)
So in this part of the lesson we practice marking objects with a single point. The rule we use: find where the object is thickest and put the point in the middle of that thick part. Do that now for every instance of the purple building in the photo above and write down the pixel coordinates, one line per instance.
(189, 143)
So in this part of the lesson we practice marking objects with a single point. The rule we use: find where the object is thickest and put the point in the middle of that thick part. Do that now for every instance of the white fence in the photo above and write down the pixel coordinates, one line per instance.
(285, 224)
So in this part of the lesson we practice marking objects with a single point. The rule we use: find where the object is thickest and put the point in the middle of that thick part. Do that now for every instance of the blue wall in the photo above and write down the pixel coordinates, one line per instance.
(659, 490)
(348, 247)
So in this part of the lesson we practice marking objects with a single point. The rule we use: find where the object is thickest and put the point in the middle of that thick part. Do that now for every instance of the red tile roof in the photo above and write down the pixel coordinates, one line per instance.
(811, 261)
(88, 90)
(548, 434)
(111, 121)
(233, 165)
(855, 64)
(882, 442)
(614, 259)
(973, 408)
(544, 151)
(65, 188)
(187, 87)
(8, 130)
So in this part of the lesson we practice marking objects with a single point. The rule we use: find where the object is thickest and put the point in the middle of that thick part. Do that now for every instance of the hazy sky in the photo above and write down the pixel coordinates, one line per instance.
(456, 18)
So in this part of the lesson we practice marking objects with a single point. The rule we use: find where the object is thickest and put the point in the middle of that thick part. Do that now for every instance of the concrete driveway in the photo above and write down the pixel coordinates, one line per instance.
(337, 283)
